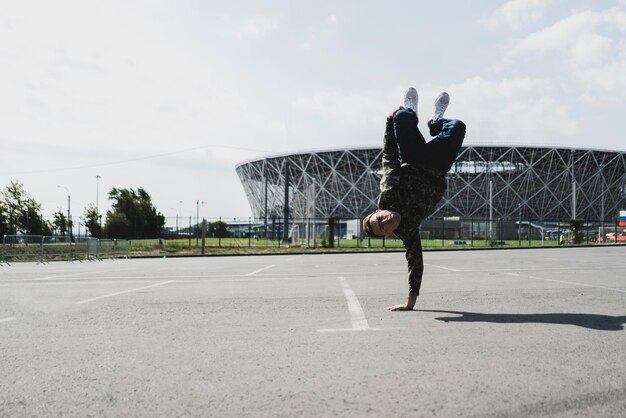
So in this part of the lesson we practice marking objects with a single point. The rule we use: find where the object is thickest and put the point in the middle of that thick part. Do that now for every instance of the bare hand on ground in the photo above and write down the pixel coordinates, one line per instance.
(408, 306)
(402, 307)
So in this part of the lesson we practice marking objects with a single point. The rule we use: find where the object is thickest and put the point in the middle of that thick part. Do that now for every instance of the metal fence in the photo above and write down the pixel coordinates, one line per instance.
(452, 232)
(46, 248)
(311, 233)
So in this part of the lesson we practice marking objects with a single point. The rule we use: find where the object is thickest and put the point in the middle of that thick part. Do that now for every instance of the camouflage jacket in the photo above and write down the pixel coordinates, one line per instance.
(413, 191)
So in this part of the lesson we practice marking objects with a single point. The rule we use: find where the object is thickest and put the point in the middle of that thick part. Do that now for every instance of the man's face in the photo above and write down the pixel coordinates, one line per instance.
(384, 222)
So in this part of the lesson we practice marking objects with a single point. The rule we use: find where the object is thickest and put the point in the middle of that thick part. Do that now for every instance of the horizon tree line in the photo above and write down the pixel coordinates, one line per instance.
(132, 215)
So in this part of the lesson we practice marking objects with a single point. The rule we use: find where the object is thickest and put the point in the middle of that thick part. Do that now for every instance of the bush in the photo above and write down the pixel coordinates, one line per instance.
(576, 226)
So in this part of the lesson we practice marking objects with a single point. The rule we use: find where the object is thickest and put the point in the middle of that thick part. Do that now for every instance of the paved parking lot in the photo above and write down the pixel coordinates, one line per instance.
(496, 333)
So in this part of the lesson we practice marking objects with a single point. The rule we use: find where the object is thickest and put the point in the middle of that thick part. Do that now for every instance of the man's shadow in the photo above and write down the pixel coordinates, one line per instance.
(591, 321)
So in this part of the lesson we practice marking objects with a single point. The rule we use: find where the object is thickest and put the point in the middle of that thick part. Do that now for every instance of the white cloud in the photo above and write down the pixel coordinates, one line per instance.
(515, 14)
(256, 27)
(349, 107)
(618, 18)
(318, 33)
(556, 38)
(517, 110)
(610, 79)
(590, 44)
(520, 110)
(590, 50)
(327, 119)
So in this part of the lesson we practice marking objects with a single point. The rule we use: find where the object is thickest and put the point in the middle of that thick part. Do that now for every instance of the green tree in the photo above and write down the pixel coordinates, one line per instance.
(117, 226)
(20, 213)
(60, 222)
(577, 230)
(218, 229)
(92, 221)
(5, 225)
(133, 215)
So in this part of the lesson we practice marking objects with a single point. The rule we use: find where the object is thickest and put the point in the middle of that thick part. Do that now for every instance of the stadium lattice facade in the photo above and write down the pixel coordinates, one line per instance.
(512, 182)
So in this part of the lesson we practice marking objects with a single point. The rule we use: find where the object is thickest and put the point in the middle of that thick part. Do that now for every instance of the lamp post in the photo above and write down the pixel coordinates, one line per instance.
(198, 202)
(69, 213)
(97, 196)
(519, 225)
(202, 203)
(602, 199)
(97, 191)
(490, 210)
(573, 187)
(180, 213)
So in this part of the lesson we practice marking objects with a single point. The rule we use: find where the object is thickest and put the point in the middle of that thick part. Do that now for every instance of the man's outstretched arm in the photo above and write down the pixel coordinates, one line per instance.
(415, 262)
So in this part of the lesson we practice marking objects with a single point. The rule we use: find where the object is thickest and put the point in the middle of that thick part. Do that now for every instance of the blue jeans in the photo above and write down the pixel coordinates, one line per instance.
(440, 153)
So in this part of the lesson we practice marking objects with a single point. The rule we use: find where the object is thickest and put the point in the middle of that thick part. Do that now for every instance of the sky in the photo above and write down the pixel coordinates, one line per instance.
(172, 95)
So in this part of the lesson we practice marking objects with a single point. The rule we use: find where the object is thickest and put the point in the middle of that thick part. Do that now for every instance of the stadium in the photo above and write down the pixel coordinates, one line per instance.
(512, 182)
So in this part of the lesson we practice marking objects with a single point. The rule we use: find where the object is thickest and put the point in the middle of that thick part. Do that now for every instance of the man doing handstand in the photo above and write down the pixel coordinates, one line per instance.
(414, 180)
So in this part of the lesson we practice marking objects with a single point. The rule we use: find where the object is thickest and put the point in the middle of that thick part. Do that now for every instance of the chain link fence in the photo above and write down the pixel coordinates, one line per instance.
(313, 233)
(451, 232)
(48, 248)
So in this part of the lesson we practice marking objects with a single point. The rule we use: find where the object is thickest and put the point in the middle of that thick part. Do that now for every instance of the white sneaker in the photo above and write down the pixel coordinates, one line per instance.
(441, 104)
(410, 99)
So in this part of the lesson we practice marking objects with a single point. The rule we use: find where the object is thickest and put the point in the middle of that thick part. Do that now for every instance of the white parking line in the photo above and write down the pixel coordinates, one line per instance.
(63, 276)
(178, 279)
(59, 276)
(566, 282)
(441, 267)
(7, 319)
(260, 270)
(356, 312)
(357, 316)
(292, 258)
(308, 274)
(123, 292)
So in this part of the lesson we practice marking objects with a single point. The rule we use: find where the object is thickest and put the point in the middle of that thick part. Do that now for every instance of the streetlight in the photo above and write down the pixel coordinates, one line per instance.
(69, 216)
(602, 180)
(97, 190)
(97, 196)
(519, 225)
(198, 202)
(180, 212)
(491, 210)
(602, 198)
(573, 187)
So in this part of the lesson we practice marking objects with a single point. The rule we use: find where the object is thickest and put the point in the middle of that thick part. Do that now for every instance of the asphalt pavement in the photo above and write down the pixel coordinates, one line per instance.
(511, 333)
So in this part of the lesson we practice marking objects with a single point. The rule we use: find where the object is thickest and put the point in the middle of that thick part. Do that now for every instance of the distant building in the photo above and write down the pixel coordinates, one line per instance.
(507, 182)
